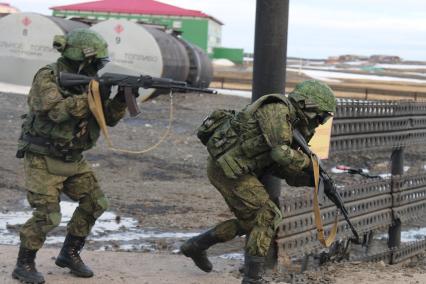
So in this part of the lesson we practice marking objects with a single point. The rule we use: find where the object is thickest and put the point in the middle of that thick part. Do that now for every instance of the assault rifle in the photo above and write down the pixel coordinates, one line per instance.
(326, 183)
(128, 82)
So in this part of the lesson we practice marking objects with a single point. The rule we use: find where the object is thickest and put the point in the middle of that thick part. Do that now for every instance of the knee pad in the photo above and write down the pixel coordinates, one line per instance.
(48, 217)
(269, 216)
(94, 204)
(102, 205)
(228, 230)
(266, 222)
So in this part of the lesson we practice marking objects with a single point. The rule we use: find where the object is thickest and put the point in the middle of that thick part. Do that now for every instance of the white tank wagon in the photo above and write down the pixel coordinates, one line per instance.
(201, 68)
(137, 49)
(26, 44)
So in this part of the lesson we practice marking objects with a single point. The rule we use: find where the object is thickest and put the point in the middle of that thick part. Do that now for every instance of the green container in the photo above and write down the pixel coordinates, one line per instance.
(236, 55)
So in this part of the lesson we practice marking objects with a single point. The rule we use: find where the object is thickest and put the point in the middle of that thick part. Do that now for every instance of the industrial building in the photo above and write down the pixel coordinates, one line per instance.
(6, 8)
(196, 27)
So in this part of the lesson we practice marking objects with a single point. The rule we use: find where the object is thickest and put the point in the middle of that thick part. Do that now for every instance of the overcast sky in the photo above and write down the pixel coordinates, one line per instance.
(317, 29)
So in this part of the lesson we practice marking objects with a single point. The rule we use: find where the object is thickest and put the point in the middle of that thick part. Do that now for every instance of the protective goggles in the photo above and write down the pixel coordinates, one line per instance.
(321, 117)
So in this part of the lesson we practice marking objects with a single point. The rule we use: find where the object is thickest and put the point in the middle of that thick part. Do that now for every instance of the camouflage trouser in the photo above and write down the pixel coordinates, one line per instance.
(257, 215)
(45, 179)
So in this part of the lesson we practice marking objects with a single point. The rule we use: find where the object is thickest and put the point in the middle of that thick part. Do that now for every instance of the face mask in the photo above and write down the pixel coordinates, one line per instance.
(87, 67)
(307, 131)
(324, 116)
(100, 63)
(318, 118)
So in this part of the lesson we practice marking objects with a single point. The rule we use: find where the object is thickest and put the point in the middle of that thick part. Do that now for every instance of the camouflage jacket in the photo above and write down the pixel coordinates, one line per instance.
(258, 140)
(62, 117)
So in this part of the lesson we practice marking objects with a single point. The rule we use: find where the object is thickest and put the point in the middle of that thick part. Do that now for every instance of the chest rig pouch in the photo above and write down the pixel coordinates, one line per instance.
(236, 141)
(212, 122)
(65, 140)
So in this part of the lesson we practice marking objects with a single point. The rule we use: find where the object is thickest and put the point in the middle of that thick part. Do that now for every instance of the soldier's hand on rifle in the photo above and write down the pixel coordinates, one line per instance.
(105, 91)
(330, 190)
(328, 185)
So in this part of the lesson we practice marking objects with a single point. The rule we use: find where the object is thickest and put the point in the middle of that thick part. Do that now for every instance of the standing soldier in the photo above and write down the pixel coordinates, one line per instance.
(57, 129)
(243, 147)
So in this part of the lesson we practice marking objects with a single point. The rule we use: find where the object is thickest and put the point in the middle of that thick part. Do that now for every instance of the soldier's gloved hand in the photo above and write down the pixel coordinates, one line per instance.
(328, 185)
(120, 93)
(105, 91)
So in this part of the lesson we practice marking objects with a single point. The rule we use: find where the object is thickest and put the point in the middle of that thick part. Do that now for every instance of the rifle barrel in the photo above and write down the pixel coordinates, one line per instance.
(147, 82)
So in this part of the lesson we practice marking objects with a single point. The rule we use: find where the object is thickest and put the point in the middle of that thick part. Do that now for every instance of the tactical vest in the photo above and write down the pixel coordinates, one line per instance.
(66, 140)
(235, 140)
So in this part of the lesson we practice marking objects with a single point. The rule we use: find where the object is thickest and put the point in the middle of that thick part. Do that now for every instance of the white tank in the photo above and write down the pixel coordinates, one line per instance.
(138, 50)
(26, 44)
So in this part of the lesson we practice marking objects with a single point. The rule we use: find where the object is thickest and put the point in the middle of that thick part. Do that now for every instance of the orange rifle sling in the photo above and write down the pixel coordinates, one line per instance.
(95, 106)
(316, 208)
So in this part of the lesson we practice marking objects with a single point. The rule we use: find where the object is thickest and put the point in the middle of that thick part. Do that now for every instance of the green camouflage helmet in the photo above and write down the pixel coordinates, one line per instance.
(80, 44)
(315, 94)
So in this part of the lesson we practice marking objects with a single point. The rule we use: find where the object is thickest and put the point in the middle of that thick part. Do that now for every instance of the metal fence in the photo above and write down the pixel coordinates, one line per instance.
(372, 204)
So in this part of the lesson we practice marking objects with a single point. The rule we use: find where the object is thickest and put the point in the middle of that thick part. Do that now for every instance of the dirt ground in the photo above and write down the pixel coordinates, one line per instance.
(162, 268)
(167, 189)
(122, 267)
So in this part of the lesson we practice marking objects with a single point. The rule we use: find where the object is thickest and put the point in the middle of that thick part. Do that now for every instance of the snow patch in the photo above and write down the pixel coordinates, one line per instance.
(223, 62)
(232, 256)
(123, 231)
(226, 92)
(332, 76)
(16, 89)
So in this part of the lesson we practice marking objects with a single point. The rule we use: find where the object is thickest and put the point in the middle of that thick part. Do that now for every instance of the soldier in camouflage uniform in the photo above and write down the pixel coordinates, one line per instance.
(243, 147)
(57, 129)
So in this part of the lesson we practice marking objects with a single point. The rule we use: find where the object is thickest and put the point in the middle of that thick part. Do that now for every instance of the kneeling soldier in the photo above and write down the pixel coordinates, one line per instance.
(243, 147)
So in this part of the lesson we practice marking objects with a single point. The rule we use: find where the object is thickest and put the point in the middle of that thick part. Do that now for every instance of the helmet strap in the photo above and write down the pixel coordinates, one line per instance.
(85, 63)
(81, 67)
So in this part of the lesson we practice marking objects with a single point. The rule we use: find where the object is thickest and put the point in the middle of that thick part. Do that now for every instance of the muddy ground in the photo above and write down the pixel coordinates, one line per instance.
(167, 188)
(161, 268)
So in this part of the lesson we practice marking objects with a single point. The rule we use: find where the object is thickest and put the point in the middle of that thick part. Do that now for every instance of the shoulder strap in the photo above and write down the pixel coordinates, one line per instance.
(251, 108)
(266, 100)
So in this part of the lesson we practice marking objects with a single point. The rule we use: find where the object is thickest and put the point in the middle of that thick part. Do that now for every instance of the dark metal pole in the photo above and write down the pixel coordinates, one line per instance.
(269, 68)
(397, 162)
(397, 169)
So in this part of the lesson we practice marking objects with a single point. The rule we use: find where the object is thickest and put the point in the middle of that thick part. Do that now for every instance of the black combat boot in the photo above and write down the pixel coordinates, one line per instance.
(70, 256)
(253, 270)
(25, 269)
(196, 247)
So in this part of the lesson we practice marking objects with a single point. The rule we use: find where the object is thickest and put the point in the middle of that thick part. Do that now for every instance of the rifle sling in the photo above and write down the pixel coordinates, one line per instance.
(95, 106)
(316, 208)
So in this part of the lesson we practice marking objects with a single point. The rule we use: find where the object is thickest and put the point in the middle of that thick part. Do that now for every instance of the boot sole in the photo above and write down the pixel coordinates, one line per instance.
(23, 280)
(187, 254)
(75, 272)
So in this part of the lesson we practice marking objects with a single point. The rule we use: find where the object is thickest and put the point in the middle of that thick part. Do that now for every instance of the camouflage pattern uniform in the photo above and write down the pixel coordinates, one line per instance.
(63, 119)
(58, 128)
(243, 147)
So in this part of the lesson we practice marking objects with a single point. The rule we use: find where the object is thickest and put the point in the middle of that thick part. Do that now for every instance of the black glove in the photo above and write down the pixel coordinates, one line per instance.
(105, 91)
(328, 185)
